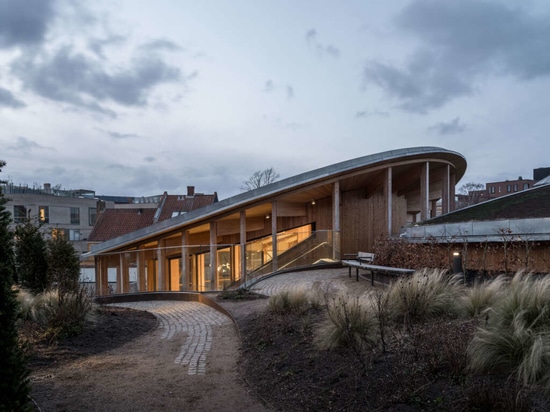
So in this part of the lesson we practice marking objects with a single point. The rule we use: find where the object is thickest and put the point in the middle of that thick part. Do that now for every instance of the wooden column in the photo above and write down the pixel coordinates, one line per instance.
(213, 256)
(452, 184)
(275, 263)
(184, 269)
(336, 220)
(242, 231)
(102, 275)
(124, 272)
(140, 263)
(388, 194)
(425, 191)
(119, 275)
(161, 266)
(446, 190)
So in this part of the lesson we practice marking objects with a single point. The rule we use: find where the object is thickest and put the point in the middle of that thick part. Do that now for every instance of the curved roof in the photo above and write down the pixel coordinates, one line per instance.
(303, 181)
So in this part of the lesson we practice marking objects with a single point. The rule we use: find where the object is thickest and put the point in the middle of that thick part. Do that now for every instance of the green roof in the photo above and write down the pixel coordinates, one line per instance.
(531, 203)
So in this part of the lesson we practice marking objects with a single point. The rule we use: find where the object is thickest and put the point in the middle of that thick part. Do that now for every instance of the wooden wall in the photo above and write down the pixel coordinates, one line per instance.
(364, 219)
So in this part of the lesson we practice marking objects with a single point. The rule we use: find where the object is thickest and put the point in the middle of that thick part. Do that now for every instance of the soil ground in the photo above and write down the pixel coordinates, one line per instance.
(270, 363)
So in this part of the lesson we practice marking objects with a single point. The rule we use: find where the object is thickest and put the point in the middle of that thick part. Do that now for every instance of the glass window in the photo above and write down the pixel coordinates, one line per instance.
(492, 189)
(525, 186)
(508, 188)
(44, 214)
(58, 233)
(19, 213)
(75, 216)
(92, 215)
(74, 234)
(515, 188)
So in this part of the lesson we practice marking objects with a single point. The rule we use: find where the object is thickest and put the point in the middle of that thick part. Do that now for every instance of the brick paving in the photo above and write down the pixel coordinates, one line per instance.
(197, 320)
(191, 318)
(302, 281)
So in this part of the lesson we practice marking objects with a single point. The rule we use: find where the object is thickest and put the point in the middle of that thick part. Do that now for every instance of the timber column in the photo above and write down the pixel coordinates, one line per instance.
(184, 270)
(274, 260)
(336, 220)
(425, 191)
(242, 231)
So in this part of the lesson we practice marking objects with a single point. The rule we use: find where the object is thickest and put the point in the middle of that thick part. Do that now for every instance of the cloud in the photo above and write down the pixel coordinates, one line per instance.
(74, 78)
(320, 48)
(98, 45)
(7, 99)
(461, 44)
(363, 114)
(160, 45)
(270, 87)
(116, 135)
(455, 126)
(289, 92)
(24, 145)
(24, 23)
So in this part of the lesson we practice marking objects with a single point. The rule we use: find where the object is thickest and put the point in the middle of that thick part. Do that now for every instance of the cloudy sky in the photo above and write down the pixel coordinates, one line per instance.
(137, 97)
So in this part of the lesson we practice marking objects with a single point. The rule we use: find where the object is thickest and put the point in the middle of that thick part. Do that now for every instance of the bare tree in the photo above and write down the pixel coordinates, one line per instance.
(472, 192)
(260, 178)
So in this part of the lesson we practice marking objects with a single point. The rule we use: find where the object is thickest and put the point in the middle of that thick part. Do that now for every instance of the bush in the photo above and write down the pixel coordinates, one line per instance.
(481, 296)
(425, 294)
(59, 314)
(516, 338)
(288, 302)
(349, 324)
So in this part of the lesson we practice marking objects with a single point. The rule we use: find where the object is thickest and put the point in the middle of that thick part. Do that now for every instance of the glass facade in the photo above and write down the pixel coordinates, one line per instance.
(141, 269)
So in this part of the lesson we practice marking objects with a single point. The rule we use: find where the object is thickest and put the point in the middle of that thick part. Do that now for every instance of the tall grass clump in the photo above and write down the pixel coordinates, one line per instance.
(286, 302)
(59, 314)
(516, 337)
(351, 324)
(424, 295)
(480, 296)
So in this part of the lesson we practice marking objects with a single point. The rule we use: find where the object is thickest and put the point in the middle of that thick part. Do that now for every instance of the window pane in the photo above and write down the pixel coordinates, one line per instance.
(75, 216)
(19, 213)
(92, 215)
(44, 214)
(74, 234)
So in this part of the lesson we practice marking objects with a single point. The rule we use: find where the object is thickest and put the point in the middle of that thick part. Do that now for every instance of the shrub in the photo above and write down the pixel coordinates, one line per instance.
(425, 294)
(59, 314)
(481, 296)
(349, 323)
(516, 338)
(288, 302)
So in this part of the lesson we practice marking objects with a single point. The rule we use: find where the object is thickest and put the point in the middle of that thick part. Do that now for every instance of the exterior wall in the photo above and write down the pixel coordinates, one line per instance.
(348, 205)
(364, 219)
(59, 214)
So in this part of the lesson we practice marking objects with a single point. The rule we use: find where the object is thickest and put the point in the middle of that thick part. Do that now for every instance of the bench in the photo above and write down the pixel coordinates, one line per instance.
(365, 260)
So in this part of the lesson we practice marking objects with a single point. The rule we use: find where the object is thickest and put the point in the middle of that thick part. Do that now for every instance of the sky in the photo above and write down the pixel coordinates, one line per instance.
(138, 97)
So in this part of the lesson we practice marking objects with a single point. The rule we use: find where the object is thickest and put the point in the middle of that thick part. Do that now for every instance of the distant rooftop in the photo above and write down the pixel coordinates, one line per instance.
(530, 203)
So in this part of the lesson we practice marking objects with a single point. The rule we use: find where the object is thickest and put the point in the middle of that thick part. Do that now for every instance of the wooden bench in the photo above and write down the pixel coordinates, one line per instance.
(365, 260)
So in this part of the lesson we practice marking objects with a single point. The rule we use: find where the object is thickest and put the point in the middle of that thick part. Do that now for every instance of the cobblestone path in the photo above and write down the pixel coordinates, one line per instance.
(191, 318)
(306, 280)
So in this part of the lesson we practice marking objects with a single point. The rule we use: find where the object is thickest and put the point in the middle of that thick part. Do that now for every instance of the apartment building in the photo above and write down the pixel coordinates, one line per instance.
(69, 213)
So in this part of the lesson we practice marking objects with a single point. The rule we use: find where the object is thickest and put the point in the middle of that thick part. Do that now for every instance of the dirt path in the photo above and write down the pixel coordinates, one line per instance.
(189, 362)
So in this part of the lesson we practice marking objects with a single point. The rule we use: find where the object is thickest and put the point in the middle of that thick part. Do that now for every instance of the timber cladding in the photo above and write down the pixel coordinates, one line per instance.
(364, 219)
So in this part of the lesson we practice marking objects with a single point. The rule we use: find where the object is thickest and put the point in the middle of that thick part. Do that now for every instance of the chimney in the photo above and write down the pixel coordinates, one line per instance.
(47, 188)
(190, 190)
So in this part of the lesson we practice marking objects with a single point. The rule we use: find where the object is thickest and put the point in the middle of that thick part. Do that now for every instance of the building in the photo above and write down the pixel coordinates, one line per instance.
(312, 218)
(127, 217)
(498, 189)
(502, 235)
(70, 213)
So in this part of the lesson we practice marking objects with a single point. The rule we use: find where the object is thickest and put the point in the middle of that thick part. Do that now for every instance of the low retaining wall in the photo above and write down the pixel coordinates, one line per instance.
(148, 296)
